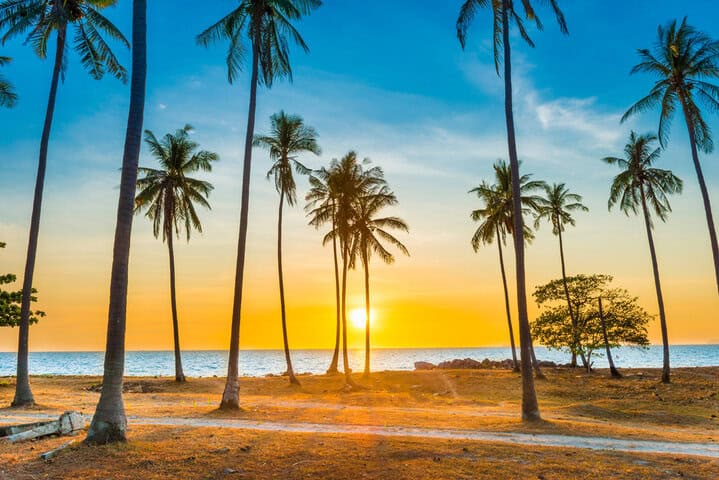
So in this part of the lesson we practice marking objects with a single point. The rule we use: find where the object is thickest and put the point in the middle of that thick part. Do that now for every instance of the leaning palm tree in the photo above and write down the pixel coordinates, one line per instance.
(641, 185)
(43, 19)
(265, 25)
(368, 235)
(169, 195)
(109, 423)
(557, 208)
(289, 137)
(683, 60)
(504, 13)
(321, 207)
(8, 97)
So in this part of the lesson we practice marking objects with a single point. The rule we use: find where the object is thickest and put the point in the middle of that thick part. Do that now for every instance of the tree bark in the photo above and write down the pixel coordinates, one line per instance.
(109, 423)
(335, 357)
(288, 358)
(658, 286)
(231, 394)
(345, 355)
(572, 316)
(506, 303)
(23, 393)
(179, 374)
(530, 406)
(365, 263)
(535, 364)
(612, 369)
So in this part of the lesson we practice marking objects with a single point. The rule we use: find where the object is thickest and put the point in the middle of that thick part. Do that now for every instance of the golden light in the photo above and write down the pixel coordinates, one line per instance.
(358, 317)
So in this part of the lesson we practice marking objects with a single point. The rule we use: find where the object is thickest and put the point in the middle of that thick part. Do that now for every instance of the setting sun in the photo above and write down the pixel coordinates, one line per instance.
(358, 317)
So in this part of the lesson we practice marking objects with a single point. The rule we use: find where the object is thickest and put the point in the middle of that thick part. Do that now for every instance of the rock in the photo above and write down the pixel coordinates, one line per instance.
(424, 366)
(220, 450)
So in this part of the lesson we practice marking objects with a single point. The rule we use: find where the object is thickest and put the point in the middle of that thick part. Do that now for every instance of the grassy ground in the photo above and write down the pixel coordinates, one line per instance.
(637, 406)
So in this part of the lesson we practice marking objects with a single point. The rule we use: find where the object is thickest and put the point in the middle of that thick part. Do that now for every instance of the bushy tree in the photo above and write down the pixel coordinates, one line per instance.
(10, 302)
(626, 321)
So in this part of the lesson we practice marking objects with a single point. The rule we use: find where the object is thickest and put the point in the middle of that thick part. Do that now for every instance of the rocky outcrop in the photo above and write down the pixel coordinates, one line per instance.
(471, 364)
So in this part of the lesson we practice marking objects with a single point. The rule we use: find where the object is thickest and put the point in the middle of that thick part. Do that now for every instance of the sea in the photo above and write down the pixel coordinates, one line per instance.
(208, 363)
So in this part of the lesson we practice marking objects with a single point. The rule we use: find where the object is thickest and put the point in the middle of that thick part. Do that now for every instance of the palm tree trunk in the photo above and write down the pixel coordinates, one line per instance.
(658, 286)
(179, 374)
(109, 422)
(530, 406)
(506, 303)
(704, 192)
(231, 395)
(335, 356)
(572, 317)
(612, 369)
(535, 364)
(367, 315)
(345, 355)
(23, 393)
(288, 359)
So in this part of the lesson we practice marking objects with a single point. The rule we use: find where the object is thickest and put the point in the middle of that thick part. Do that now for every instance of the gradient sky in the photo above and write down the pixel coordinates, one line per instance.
(389, 80)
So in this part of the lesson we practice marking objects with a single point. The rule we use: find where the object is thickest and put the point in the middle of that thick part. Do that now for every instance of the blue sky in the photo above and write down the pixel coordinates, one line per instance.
(390, 80)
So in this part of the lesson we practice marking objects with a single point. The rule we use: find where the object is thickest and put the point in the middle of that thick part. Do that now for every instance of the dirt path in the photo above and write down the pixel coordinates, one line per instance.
(546, 440)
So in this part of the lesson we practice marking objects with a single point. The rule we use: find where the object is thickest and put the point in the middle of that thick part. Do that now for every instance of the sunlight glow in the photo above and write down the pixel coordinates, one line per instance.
(358, 317)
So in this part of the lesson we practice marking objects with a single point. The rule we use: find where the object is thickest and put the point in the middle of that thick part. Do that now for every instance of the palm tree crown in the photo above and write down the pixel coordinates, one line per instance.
(638, 178)
(43, 17)
(267, 24)
(8, 97)
(557, 207)
(168, 194)
(683, 59)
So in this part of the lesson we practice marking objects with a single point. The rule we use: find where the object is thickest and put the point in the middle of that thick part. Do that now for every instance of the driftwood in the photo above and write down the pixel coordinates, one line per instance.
(67, 424)
(48, 455)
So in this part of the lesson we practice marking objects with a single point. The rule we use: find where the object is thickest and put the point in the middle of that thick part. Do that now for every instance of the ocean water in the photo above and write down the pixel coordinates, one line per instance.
(263, 362)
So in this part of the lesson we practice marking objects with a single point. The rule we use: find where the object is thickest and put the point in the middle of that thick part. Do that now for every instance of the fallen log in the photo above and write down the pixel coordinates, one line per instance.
(67, 424)
(48, 455)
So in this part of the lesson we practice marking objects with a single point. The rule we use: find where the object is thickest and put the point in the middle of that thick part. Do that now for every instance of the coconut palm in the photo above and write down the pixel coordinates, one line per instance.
(557, 208)
(8, 97)
(168, 195)
(640, 185)
(289, 137)
(368, 235)
(262, 27)
(43, 19)
(503, 14)
(321, 206)
(684, 60)
(109, 423)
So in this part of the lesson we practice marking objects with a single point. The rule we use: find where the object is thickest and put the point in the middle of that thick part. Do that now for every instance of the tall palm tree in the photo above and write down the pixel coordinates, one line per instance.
(557, 208)
(169, 196)
(321, 206)
(8, 97)
(504, 13)
(368, 235)
(641, 185)
(683, 60)
(43, 18)
(290, 137)
(109, 423)
(266, 26)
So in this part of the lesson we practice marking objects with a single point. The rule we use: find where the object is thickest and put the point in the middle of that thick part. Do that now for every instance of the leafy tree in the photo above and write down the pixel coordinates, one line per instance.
(289, 137)
(109, 423)
(169, 196)
(503, 13)
(626, 322)
(642, 185)
(10, 302)
(266, 26)
(43, 18)
(557, 208)
(8, 97)
(684, 60)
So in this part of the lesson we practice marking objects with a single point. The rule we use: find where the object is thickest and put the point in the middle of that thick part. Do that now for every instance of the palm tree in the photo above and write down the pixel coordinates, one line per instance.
(503, 12)
(44, 18)
(266, 24)
(8, 97)
(498, 216)
(169, 196)
(683, 59)
(557, 208)
(109, 423)
(641, 185)
(368, 235)
(321, 206)
(289, 137)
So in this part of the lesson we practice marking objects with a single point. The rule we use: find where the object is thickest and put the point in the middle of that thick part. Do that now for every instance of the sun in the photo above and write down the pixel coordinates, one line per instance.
(358, 317)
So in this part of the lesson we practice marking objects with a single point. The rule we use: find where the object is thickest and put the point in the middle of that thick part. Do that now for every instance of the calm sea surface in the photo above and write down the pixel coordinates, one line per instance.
(262, 362)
